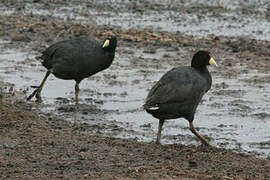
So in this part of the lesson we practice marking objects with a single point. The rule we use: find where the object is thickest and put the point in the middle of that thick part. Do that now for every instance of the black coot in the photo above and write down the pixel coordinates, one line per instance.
(76, 59)
(178, 92)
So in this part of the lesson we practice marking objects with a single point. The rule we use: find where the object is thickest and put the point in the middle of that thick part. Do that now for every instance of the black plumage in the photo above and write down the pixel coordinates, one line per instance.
(179, 91)
(76, 59)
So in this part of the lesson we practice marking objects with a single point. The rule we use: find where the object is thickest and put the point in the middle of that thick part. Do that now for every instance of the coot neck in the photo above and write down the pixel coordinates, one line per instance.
(203, 70)
(200, 68)
(110, 50)
(110, 57)
(110, 53)
(205, 73)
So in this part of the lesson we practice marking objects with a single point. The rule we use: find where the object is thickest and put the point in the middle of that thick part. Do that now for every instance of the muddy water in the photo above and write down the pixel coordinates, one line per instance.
(198, 18)
(234, 114)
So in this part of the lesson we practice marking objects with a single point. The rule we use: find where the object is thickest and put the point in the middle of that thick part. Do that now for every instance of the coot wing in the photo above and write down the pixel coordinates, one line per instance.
(178, 85)
(68, 51)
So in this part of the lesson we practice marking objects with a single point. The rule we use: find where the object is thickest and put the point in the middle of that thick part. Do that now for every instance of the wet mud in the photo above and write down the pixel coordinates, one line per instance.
(154, 36)
(34, 146)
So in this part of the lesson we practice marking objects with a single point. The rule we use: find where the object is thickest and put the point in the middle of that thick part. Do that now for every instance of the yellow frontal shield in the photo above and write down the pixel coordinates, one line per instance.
(212, 61)
(106, 43)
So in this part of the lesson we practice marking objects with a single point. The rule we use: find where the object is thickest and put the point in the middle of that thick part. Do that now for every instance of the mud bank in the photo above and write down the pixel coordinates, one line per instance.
(33, 146)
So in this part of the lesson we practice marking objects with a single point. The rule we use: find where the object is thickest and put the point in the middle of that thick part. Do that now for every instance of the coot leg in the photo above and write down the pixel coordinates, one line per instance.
(77, 89)
(192, 129)
(38, 89)
(161, 122)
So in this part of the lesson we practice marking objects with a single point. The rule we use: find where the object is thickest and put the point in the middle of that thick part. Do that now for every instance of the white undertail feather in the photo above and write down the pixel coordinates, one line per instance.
(153, 108)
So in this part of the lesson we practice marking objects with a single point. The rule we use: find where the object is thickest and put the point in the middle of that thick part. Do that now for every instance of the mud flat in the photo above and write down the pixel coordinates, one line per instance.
(34, 146)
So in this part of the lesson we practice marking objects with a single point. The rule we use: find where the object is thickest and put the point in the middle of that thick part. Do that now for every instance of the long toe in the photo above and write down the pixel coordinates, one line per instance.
(206, 144)
(35, 87)
(158, 143)
(32, 95)
(38, 98)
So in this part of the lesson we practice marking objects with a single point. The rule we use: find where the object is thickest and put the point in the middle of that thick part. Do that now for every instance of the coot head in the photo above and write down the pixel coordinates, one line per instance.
(110, 43)
(202, 59)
